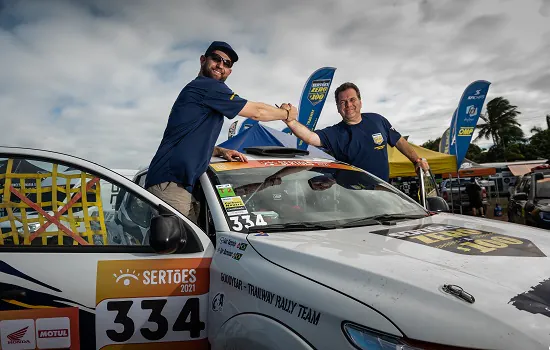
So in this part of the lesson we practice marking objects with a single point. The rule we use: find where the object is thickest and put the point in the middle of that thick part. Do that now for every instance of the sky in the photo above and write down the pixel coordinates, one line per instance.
(97, 78)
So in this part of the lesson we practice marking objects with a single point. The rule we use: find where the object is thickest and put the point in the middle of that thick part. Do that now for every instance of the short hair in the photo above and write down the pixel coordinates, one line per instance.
(344, 87)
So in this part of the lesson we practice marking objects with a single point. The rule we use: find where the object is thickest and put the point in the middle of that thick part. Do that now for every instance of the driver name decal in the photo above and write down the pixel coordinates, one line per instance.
(162, 301)
(464, 241)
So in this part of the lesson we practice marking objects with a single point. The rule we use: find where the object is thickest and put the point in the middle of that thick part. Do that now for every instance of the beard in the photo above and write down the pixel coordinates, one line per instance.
(207, 72)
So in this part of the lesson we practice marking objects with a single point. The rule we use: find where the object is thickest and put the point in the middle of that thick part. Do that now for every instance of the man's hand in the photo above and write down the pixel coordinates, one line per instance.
(230, 155)
(423, 164)
(292, 112)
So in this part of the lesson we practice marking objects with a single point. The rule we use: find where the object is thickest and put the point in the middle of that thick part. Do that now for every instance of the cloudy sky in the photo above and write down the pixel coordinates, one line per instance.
(97, 78)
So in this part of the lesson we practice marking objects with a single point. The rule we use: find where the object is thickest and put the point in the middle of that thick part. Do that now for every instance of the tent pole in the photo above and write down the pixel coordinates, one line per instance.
(451, 190)
(459, 194)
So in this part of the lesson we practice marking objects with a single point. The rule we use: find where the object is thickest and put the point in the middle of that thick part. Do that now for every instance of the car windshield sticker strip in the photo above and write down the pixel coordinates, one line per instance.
(77, 197)
(279, 163)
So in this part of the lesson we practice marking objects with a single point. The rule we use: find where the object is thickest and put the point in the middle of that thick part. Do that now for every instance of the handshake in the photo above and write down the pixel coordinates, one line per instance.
(291, 112)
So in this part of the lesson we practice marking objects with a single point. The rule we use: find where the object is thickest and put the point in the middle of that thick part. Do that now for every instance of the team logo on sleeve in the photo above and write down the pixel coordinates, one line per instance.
(378, 138)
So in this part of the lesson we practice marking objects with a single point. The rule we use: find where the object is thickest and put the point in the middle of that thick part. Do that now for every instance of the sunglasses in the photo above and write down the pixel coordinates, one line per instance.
(217, 58)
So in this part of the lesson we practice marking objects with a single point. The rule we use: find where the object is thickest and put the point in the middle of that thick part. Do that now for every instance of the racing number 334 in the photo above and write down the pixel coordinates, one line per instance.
(190, 311)
(146, 320)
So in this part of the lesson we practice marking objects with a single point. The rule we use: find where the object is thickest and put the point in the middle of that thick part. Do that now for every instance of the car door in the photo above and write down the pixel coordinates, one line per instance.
(71, 277)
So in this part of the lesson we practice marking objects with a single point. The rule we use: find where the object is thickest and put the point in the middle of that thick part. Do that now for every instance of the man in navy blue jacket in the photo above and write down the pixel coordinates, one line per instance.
(360, 139)
(193, 127)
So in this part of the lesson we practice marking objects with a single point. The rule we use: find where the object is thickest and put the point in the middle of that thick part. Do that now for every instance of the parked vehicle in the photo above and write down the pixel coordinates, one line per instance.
(450, 190)
(289, 252)
(530, 200)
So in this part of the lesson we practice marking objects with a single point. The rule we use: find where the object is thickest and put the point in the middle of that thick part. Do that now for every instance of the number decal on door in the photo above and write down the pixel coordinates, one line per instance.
(146, 320)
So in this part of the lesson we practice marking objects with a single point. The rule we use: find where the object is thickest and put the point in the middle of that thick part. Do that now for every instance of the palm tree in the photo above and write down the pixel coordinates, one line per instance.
(500, 123)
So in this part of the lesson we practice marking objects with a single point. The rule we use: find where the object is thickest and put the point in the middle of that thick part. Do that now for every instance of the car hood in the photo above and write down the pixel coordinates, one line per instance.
(400, 270)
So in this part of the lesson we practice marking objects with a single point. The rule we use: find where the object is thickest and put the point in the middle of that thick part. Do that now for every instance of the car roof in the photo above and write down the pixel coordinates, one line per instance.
(252, 157)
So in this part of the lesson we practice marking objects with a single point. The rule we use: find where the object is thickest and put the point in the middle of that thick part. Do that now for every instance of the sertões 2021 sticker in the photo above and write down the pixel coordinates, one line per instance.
(152, 301)
(465, 241)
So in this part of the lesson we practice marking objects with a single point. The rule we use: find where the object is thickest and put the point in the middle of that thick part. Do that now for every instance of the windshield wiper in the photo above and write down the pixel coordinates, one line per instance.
(293, 226)
(380, 219)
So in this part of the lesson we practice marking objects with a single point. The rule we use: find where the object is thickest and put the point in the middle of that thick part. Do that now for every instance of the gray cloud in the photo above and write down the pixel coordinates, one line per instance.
(97, 78)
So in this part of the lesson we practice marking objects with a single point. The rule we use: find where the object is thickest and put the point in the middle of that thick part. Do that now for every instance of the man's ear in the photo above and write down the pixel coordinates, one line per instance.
(203, 59)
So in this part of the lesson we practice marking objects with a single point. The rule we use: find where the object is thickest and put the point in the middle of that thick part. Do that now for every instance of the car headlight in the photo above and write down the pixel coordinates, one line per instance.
(544, 215)
(367, 339)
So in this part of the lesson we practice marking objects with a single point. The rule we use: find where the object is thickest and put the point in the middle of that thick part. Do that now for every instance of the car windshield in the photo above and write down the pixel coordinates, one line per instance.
(455, 182)
(543, 188)
(318, 195)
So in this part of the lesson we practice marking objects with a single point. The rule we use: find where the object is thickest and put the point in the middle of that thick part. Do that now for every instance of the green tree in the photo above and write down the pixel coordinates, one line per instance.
(540, 140)
(500, 124)
(432, 144)
(474, 153)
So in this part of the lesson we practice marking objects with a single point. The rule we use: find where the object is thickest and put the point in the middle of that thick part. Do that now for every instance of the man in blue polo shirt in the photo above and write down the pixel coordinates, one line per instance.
(360, 139)
(193, 127)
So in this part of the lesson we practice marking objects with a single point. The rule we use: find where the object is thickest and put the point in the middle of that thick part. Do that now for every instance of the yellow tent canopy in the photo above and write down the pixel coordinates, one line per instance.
(440, 163)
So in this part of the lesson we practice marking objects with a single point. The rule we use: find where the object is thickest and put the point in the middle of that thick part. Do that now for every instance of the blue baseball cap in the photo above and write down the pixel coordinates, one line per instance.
(224, 47)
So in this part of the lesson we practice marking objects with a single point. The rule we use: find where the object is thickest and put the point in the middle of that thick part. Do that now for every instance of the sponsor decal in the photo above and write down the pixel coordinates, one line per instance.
(301, 311)
(225, 166)
(234, 206)
(319, 89)
(225, 191)
(166, 301)
(262, 234)
(217, 302)
(466, 241)
(378, 138)
(471, 111)
(280, 302)
(44, 328)
(536, 300)
(466, 131)
(53, 333)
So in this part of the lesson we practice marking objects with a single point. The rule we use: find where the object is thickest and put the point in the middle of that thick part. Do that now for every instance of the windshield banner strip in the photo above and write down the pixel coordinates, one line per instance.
(225, 166)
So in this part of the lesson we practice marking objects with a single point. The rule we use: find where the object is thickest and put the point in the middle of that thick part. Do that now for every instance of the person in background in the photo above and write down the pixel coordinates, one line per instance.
(474, 197)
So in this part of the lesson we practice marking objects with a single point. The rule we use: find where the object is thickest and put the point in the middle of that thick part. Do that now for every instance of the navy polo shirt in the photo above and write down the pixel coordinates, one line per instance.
(363, 145)
(193, 127)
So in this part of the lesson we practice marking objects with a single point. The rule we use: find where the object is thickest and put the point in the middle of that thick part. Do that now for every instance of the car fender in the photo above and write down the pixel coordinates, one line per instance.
(258, 332)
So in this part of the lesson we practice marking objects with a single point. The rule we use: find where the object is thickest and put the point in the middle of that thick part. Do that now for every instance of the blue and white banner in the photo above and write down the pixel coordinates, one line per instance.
(467, 115)
(313, 99)
(445, 143)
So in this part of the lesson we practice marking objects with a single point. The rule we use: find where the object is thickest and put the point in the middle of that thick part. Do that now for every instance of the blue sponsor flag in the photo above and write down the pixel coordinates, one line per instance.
(467, 115)
(446, 141)
(313, 99)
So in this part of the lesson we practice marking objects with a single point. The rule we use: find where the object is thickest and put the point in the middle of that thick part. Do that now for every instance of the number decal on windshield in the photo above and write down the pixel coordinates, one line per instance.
(246, 221)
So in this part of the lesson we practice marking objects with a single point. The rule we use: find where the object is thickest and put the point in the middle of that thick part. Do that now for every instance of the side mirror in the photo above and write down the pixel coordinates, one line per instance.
(437, 204)
(520, 196)
(168, 233)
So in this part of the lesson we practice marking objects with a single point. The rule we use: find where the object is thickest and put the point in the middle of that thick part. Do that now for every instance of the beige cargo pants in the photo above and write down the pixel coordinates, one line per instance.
(178, 197)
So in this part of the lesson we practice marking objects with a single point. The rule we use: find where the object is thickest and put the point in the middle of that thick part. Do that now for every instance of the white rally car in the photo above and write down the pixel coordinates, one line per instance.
(289, 252)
